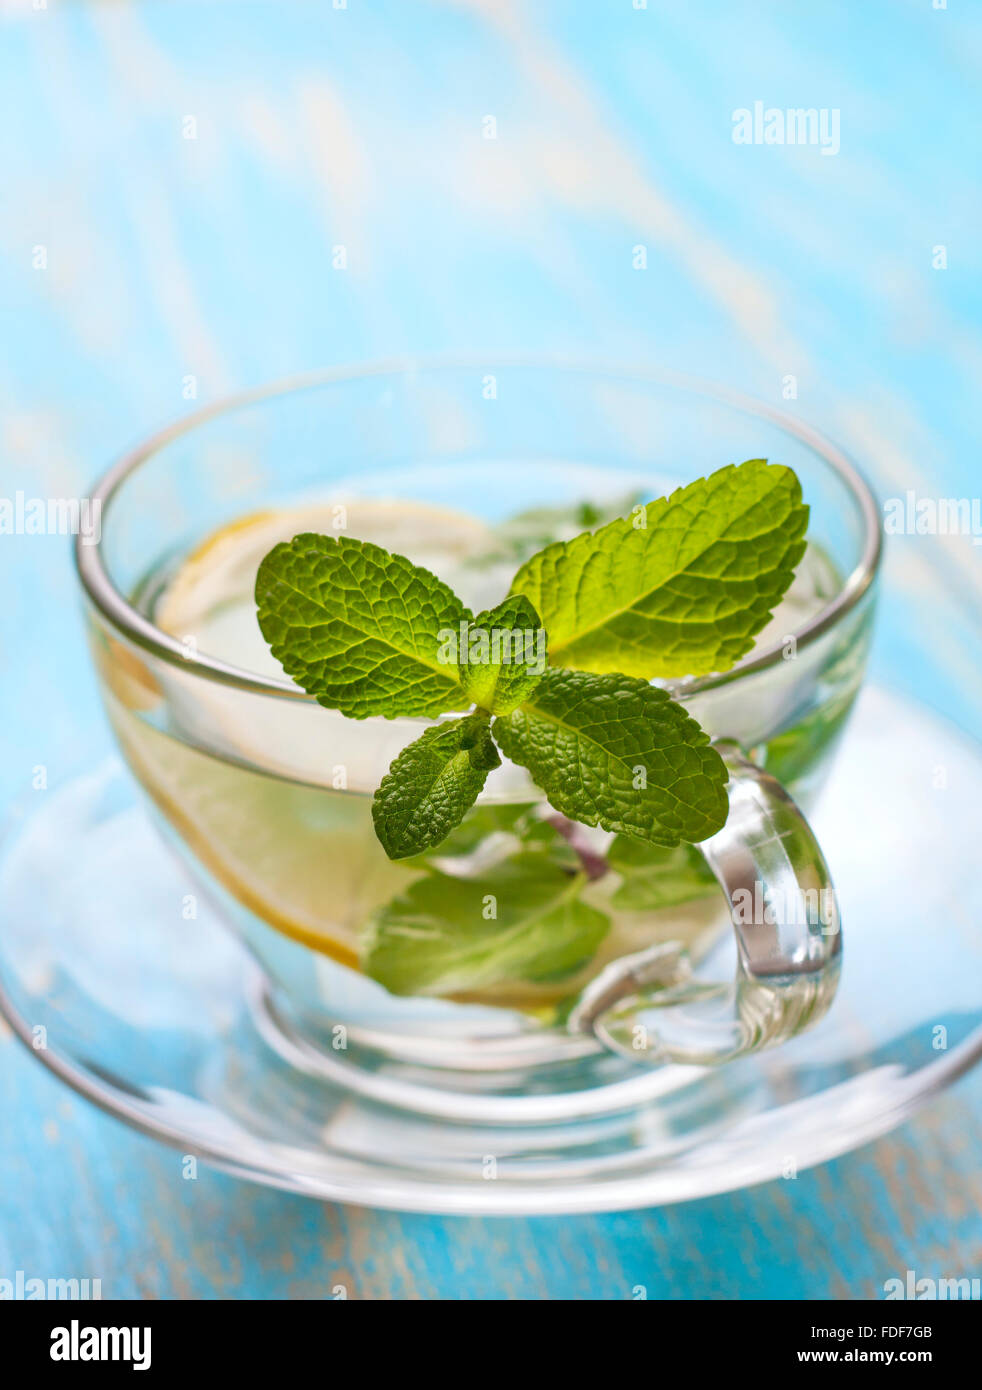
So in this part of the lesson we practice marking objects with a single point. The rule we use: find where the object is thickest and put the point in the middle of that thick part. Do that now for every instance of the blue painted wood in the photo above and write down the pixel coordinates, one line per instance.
(177, 179)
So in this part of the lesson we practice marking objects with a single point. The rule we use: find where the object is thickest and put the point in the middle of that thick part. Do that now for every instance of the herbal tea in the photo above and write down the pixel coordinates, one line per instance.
(506, 853)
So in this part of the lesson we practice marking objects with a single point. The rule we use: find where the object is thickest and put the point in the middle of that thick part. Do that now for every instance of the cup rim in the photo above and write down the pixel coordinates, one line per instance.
(141, 632)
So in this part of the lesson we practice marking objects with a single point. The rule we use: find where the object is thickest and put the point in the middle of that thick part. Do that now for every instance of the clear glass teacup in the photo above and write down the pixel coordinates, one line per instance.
(705, 955)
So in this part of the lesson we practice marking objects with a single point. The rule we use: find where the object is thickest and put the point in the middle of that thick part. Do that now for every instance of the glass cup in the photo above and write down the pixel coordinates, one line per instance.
(267, 795)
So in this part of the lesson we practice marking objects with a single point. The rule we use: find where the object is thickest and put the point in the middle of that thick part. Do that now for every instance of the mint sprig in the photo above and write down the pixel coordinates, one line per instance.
(679, 588)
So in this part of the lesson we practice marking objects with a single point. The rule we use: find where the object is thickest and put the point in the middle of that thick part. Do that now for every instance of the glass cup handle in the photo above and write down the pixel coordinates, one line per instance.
(652, 1007)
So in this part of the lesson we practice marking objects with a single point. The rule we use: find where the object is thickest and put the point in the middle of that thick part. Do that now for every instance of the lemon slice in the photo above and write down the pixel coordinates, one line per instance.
(262, 810)
(304, 859)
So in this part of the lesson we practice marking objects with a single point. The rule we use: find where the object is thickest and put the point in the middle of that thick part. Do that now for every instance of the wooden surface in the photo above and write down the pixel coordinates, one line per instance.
(168, 258)
(84, 1197)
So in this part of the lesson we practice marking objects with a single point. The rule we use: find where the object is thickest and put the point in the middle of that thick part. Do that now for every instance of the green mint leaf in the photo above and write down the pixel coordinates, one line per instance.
(614, 751)
(450, 935)
(358, 628)
(502, 654)
(653, 877)
(432, 785)
(685, 593)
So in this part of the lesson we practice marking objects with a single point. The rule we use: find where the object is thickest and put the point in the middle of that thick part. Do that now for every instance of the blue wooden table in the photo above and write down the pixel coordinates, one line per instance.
(199, 196)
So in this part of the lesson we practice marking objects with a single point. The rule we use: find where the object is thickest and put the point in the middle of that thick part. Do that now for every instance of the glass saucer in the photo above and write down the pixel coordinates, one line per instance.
(129, 986)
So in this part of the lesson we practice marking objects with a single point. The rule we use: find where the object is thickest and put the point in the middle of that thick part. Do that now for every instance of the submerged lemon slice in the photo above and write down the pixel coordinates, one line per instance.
(302, 857)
